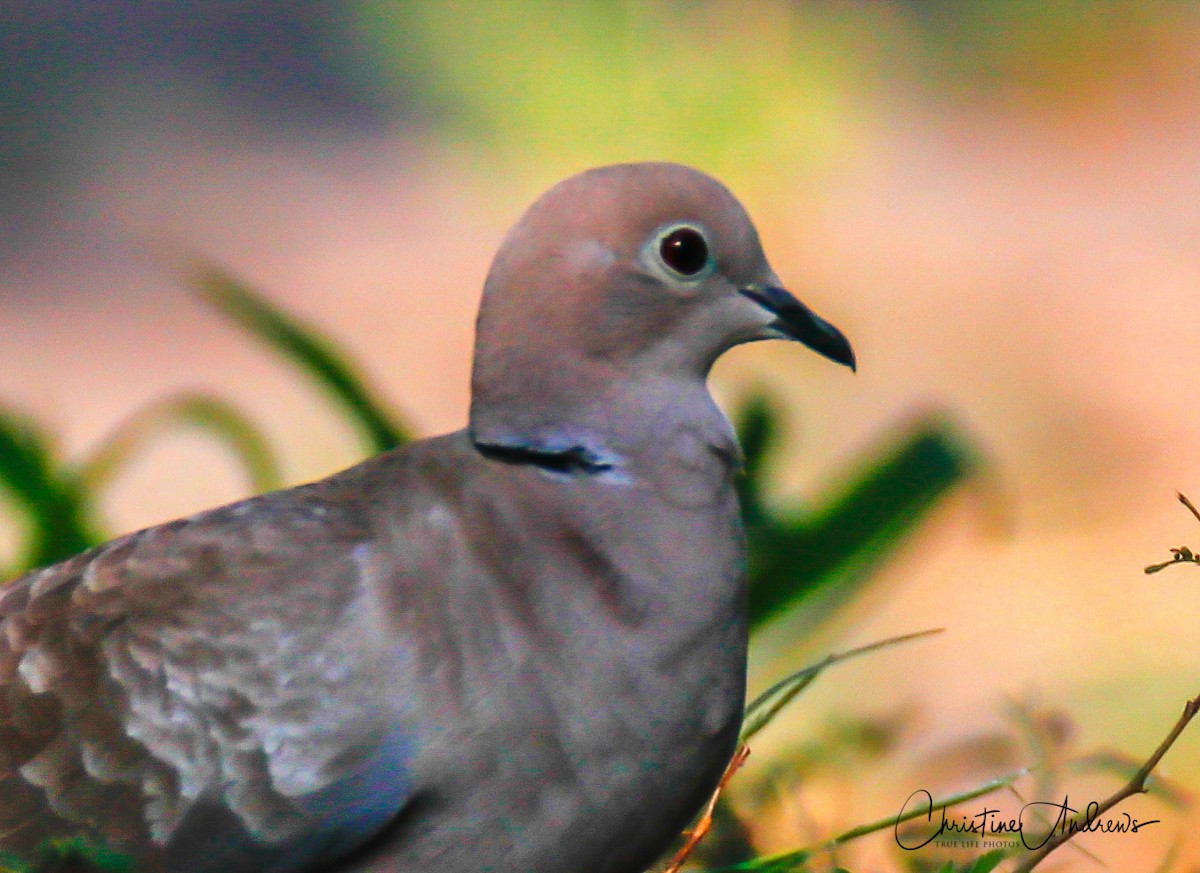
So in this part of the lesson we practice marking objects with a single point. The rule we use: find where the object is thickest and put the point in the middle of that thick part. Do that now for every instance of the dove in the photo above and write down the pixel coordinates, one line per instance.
(517, 647)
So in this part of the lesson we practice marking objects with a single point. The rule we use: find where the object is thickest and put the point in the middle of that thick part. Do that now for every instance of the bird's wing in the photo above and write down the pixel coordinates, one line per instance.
(201, 686)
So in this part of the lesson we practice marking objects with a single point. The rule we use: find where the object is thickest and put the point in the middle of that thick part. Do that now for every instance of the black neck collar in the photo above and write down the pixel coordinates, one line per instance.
(572, 460)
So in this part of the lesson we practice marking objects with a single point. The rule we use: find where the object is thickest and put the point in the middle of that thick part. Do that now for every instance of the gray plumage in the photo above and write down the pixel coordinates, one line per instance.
(518, 647)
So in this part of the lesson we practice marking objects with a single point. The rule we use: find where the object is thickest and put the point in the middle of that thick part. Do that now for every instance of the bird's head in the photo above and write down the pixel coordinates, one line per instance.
(621, 276)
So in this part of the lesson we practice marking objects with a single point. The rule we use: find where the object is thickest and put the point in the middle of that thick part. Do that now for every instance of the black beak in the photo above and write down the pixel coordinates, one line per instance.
(795, 320)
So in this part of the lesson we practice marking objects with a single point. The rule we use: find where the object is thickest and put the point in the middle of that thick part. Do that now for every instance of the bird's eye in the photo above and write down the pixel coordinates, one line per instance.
(684, 251)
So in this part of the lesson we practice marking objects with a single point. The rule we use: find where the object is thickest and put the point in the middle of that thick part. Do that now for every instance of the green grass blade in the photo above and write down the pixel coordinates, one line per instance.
(768, 704)
(305, 347)
(795, 861)
(889, 492)
(44, 491)
(989, 862)
(757, 425)
(210, 415)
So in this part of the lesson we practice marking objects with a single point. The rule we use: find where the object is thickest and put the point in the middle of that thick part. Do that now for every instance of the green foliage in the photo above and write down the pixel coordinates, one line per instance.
(56, 497)
(305, 347)
(726, 85)
(210, 415)
(69, 855)
(795, 555)
(46, 494)
(771, 702)
(983, 864)
(554, 84)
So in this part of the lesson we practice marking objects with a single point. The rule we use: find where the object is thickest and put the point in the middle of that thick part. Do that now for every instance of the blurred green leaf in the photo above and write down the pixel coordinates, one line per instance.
(788, 862)
(45, 492)
(10, 863)
(486, 64)
(983, 864)
(309, 349)
(795, 555)
(987, 863)
(68, 855)
(758, 429)
(210, 415)
(79, 854)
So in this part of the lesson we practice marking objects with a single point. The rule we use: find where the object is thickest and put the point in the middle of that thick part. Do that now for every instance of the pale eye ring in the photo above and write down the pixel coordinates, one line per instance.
(684, 250)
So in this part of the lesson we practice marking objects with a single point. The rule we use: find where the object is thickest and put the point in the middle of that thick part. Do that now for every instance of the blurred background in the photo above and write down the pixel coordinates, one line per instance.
(998, 202)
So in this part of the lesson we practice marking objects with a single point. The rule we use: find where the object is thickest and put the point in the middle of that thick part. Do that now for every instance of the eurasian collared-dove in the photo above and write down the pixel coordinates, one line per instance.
(518, 647)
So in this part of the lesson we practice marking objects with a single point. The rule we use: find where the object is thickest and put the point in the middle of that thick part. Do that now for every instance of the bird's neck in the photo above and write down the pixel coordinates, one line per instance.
(626, 428)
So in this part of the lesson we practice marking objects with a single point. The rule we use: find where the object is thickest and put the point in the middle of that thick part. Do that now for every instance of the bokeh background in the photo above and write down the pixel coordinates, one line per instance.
(999, 202)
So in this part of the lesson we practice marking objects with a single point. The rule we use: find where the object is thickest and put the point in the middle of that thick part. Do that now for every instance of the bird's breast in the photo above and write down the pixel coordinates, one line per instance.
(589, 661)
(576, 654)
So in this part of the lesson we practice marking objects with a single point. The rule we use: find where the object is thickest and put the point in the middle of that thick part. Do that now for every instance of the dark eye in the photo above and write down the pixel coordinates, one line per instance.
(684, 251)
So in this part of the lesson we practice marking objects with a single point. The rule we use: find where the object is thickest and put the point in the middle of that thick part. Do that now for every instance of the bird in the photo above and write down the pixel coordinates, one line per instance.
(520, 646)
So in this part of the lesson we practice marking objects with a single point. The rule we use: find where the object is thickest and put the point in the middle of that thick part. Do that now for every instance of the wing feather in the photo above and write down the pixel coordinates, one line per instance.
(227, 660)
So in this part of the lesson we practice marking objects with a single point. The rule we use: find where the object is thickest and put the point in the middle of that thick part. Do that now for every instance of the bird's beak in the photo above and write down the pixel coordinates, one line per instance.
(795, 320)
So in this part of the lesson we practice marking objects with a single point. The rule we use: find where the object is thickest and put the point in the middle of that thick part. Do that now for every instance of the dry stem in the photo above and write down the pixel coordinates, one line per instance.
(1136, 785)
(705, 821)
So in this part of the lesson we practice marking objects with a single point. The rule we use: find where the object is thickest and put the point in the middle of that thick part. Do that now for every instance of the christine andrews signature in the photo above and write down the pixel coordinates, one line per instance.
(990, 823)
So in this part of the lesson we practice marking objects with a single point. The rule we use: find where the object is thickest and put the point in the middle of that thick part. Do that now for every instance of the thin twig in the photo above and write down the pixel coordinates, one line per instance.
(706, 818)
(1181, 555)
(1136, 785)
(1183, 499)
